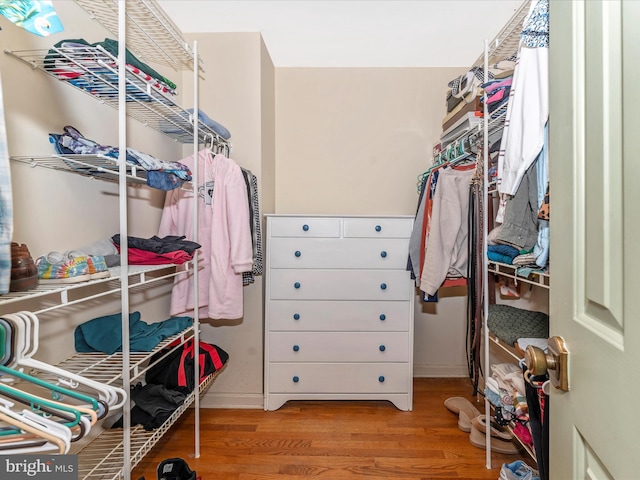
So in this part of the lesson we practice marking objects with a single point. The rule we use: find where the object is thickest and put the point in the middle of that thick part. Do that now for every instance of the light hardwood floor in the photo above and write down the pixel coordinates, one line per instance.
(334, 440)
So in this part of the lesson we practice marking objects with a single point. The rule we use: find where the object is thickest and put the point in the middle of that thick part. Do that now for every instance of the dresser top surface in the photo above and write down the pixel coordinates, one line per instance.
(315, 215)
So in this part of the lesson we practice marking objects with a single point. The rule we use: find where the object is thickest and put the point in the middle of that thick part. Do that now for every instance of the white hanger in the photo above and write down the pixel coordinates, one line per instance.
(48, 406)
(27, 327)
(57, 436)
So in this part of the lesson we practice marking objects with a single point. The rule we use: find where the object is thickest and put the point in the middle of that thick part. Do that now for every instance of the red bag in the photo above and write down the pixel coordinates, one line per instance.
(176, 369)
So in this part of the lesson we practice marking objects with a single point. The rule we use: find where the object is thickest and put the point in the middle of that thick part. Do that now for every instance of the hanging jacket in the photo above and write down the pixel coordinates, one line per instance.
(223, 232)
(446, 252)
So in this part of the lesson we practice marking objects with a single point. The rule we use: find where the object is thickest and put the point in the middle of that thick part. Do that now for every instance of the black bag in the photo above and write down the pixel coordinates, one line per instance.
(175, 469)
(176, 369)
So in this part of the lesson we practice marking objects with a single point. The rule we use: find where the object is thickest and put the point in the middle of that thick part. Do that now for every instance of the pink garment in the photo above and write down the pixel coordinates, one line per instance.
(223, 232)
(138, 256)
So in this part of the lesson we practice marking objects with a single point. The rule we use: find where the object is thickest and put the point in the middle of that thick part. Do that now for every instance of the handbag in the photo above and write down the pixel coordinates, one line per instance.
(176, 369)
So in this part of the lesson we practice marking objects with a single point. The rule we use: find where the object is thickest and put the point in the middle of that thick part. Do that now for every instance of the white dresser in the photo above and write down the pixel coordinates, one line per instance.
(339, 310)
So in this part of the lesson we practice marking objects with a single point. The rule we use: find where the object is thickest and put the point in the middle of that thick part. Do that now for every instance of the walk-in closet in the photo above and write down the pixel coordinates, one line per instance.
(270, 239)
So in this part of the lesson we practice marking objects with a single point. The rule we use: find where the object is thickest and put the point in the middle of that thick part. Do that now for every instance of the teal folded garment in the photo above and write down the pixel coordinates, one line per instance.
(506, 250)
(104, 334)
(498, 257)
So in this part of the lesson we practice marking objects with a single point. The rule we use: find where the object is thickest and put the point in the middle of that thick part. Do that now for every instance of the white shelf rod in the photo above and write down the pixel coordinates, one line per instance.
(124, 232)
(485, 220)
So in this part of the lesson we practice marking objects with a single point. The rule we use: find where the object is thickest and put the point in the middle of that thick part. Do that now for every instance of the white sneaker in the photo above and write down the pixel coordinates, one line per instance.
(518, 470)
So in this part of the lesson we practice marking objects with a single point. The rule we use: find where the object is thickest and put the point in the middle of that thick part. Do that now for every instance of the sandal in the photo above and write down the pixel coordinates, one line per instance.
(497, 431)
(478, 439)
(465, 409)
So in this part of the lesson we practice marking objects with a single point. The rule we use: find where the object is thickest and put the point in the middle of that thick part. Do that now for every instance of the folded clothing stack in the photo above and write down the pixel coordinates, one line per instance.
(171, 249)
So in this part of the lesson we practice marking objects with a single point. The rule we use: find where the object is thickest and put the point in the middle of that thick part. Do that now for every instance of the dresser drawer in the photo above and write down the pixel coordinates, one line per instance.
(319, 315)
(378, 227)
(384, 253)
(338, 347)
(318, 378)
(339, 284)
(303, 227)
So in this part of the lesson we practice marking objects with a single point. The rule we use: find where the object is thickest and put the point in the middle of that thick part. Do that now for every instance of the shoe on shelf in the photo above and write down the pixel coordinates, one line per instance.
(24, 273)
(58, 268)
(97, 265)
(518, 470)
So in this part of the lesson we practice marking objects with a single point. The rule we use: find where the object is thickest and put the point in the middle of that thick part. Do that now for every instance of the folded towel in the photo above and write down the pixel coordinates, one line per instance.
(212, 124)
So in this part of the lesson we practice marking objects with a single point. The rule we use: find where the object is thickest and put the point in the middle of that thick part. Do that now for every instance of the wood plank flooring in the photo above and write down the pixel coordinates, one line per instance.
(333, 441)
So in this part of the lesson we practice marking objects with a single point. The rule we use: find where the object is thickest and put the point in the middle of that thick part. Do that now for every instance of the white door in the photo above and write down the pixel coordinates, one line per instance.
(595, 236)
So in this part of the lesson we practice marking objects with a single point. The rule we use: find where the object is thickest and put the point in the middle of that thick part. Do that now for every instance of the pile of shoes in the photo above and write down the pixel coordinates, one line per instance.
(24, 274)
(475, 423)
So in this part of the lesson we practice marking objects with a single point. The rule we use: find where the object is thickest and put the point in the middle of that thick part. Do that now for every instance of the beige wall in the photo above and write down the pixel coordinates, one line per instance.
(268, 112)
(353, 141)
(238, 92)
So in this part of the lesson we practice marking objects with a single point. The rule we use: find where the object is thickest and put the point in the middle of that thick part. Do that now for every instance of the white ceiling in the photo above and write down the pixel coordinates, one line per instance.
(354, 33)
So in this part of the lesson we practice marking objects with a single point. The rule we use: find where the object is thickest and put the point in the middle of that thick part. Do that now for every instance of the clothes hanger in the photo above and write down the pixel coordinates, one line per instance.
(57, 436)
(43, 410)
(462, 153)
(7, 345)
(208, 142)
(80, 430)
(109, 397)
(31, 335)
(55, 389)
(36, 403)
(438, 161)
(52, 442)
(57, 392)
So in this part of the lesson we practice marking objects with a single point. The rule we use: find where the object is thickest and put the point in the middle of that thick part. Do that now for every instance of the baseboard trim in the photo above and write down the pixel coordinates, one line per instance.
(440, 371)
(237, 401)
(256, 400)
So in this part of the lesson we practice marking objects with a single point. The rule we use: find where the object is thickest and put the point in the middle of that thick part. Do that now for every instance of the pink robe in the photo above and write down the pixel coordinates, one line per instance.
(223, 231)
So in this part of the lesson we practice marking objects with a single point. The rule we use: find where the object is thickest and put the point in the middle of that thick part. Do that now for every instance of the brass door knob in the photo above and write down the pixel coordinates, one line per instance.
(555, 363)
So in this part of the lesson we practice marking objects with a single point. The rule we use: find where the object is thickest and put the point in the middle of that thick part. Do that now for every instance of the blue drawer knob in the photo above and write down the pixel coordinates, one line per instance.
(383, 286)
(378, 228)
(383, 254)
(381, 378)
(305, 227)
(383, 317)
(296, 285)
(382, 348)
(298, 253)
(296, 379)
(296, 316)
(296, 348)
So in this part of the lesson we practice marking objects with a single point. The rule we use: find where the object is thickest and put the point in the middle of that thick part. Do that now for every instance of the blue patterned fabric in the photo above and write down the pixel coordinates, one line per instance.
(6, 205)
(535, 29)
